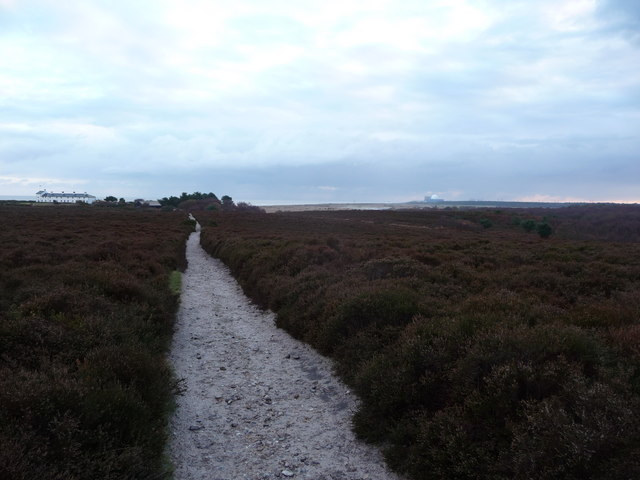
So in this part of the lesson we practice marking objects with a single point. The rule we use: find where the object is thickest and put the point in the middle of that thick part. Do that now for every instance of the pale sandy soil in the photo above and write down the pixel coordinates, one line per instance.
(258, 404)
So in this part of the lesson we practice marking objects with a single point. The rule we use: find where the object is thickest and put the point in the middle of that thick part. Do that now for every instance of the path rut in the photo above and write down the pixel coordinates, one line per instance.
(257, 404)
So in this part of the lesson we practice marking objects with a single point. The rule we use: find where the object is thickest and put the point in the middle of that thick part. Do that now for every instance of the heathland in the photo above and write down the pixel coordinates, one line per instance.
(483, 343)
(86, 317)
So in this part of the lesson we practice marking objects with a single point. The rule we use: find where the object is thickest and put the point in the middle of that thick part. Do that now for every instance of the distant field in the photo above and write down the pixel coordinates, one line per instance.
(484, 343)
(413, 205)
(329, 207)
(86, 315)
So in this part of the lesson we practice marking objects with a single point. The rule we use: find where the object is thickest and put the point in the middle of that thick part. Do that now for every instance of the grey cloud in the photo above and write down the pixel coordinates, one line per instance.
(624, 13)
(517, 110)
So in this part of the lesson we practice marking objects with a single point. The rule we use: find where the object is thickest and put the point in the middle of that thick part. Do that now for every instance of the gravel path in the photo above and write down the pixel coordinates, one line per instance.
(258, 404)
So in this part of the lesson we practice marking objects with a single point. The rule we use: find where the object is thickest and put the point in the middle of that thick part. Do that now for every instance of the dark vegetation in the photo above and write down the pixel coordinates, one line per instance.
(207, 199)
(86, 316)
(480, 347)
(197, 201)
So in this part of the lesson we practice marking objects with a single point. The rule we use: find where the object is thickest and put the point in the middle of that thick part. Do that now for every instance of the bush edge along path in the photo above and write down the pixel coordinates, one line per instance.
(479, 350)
(86, 317)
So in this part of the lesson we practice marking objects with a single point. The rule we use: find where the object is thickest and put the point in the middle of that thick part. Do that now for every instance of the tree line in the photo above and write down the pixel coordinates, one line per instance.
(206, 201)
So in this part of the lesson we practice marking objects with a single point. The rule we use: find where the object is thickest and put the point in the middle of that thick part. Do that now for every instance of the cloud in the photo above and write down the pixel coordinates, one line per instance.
(459, 97)
(29, 185)
(34, 181)
(622, 16)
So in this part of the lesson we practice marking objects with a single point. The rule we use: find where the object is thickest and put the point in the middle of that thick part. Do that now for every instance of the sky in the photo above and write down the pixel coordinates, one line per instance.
(275, 102)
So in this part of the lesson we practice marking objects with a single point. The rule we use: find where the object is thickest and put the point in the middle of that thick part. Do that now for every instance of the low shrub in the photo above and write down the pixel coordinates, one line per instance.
(84, 326)
(476, 352)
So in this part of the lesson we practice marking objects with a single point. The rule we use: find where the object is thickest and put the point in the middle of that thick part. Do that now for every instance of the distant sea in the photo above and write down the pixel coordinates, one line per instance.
(17, 197)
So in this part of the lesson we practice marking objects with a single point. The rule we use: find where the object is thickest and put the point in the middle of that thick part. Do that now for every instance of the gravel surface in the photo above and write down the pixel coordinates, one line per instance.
(257, 404)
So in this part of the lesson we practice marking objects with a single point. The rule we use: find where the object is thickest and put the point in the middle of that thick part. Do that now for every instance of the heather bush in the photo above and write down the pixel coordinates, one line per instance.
(528, 225)
(544, 230)
(476, 352)
(380, 307)
(85, 321)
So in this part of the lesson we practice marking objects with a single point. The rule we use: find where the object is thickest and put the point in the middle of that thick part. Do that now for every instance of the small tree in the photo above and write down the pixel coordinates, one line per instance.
(110, 198)
(171, 201)
(544, 230)
(528, 225)
(227, 202)
(247, 207)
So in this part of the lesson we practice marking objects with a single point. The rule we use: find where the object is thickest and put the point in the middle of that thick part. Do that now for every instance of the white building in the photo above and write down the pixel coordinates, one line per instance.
(62, 197)
(433, 199)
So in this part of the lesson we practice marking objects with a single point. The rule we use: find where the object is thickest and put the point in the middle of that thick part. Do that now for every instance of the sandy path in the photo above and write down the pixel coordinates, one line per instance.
(258, 404)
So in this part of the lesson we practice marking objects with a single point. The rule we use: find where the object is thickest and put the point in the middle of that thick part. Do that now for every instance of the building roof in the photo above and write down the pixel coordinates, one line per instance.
(44, 193)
